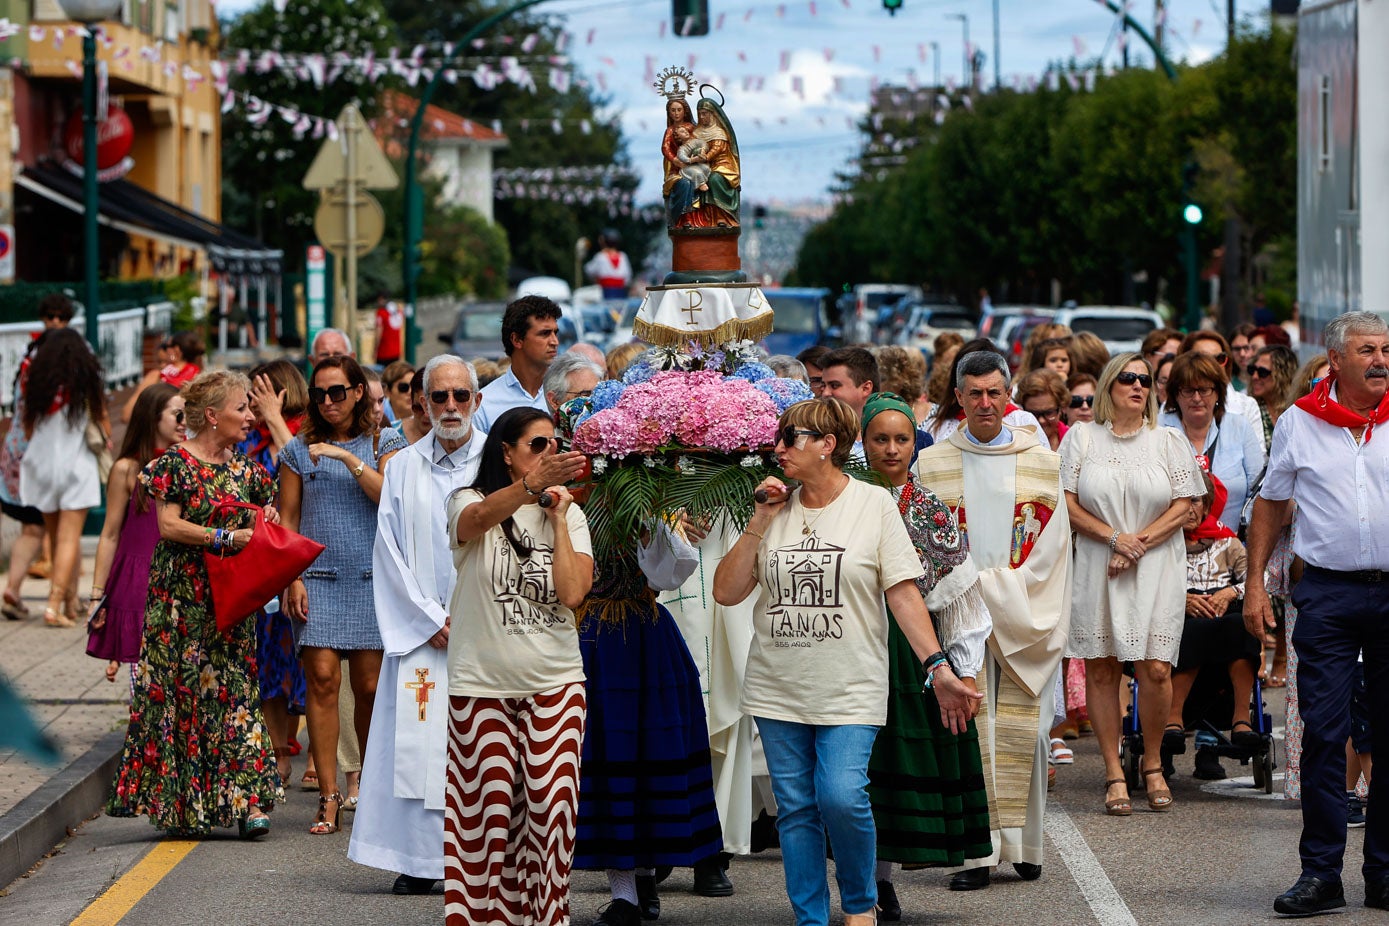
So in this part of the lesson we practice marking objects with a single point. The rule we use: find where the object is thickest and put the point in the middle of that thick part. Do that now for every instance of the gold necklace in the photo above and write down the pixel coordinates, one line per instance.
(807, 527)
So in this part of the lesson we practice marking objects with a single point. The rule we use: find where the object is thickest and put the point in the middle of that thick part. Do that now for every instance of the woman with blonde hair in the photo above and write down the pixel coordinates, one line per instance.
(1088, 353)
(219, 770)
(1129, 485)
(622, 356)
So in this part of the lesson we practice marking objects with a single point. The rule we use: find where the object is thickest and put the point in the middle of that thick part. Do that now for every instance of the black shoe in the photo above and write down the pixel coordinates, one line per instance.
(408, 884)
(709, 879)
(1027, 871)
(1310, 896)
(889, 910)
(971, 879)
(648, 901)
(1208, 767)
(1377, 893)
(1355, 811)
(619, 913)
(764, 834)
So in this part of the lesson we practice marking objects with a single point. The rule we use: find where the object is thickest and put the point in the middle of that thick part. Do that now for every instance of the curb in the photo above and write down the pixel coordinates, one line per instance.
(39, 822)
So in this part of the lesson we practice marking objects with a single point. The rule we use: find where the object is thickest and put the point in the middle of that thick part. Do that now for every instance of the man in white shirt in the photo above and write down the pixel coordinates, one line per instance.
(400, 820)
(1005, 488)
(530, 336)
(1326, 458)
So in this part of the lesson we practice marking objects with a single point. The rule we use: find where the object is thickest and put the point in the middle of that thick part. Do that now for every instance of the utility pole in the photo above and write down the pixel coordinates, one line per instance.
(935, 56)
(969, 64)
(1159, 21)
(1229, 23)
(998, 60)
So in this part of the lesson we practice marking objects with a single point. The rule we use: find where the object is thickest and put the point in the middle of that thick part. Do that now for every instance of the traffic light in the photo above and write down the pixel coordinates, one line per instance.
(1192, 214)
(689, 17)
(1191, 210)
(892, 6)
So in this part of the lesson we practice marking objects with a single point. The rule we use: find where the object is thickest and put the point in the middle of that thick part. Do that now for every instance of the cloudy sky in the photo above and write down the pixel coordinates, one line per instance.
(797, 74)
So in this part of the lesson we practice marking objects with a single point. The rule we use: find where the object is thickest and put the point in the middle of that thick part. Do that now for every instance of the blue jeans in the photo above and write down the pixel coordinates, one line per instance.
(820, 780)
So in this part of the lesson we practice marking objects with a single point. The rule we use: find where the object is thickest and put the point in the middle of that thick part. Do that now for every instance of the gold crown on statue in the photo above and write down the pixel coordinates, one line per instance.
(675, 83)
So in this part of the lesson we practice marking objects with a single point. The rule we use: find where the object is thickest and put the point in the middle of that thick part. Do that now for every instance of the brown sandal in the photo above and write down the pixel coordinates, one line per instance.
(1119, 806)
(321, 826)
(1159, 800)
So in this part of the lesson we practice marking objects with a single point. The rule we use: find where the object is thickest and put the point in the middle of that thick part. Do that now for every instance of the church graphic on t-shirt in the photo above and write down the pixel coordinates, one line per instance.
(806, 575)
(526, 592)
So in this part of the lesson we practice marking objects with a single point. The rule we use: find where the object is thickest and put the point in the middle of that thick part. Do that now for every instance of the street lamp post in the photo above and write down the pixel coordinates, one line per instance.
(969, 65)
(935, 56)
(89, 13)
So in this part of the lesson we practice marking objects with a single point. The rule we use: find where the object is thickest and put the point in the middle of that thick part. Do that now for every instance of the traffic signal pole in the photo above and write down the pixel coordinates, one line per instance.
(414, 201)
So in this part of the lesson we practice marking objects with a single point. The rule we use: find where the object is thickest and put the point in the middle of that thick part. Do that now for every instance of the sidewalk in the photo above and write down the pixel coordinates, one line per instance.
(69, 696)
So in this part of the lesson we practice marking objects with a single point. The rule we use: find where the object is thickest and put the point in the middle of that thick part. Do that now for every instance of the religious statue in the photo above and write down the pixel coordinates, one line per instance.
(703, 174)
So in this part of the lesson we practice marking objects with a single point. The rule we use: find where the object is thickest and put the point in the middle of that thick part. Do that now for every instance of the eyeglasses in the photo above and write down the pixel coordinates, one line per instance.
(1078, 400)
(53, 318)
(1219, 358)
(1128, 378)
(402, 386)
(1204, 392)
(579, 393)
(441, 396)
(165, 345)
(337, 393)
(1043, 414)
(1261, 372)
(788, 434)
(178, 417)
(538, 444)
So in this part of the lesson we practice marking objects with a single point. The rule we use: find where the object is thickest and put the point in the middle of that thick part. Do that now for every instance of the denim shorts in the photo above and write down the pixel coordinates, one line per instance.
(1359, 713)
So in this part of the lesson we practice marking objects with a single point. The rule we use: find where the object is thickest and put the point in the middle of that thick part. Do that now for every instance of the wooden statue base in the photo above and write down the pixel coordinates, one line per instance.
(705, 250)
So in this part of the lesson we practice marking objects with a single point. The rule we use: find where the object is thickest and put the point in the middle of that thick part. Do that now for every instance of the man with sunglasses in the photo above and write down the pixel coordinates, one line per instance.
(1005, 488)
(400, 820)
(530, 336)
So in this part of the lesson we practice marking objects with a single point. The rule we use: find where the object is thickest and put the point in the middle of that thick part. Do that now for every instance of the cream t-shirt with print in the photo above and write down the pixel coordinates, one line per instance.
(509, 636)
(819, 649)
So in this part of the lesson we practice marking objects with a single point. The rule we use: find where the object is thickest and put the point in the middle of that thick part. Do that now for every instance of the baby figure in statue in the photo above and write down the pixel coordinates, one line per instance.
(691, 148)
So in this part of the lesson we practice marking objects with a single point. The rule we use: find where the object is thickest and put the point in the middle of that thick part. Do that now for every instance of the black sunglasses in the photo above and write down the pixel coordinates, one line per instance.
(1078, 400)
(318, 396)
(402, 386)
(178, 417)
(440, 396)
(165, 345)
(1261, 372)
(1128, 378)
(537, 444)
(788, 434)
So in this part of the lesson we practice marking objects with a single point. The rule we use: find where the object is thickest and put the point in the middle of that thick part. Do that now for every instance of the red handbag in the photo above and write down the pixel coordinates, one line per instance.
(242, 583)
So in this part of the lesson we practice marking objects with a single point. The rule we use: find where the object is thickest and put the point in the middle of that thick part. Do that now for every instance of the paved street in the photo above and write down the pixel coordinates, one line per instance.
(1217, 858)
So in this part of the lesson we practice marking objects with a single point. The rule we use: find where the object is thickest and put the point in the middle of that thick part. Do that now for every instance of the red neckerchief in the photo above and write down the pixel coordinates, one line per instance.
(1213, 528)
(294, 424)
(1319, 404)
(1006, 412)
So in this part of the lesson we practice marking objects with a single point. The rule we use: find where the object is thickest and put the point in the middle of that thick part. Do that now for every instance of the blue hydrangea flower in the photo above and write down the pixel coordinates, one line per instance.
(606, 394)
(784, 392)
(638, 372)
(753, 372)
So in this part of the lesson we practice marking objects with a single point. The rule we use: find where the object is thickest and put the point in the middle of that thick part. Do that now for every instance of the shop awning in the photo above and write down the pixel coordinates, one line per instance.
(137, 211)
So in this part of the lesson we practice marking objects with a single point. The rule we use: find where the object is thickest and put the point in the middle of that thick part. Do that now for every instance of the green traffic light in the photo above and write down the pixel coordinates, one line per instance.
(892, 6)
(1192, 214)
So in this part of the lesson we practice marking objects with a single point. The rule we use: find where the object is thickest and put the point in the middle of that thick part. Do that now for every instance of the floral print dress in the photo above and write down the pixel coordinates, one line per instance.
(197, 754)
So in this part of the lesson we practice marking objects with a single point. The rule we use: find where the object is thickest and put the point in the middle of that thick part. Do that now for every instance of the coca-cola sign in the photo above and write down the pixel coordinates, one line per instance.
(114, 137)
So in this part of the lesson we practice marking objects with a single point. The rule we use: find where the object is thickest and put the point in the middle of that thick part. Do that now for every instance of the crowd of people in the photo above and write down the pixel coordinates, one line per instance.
(1024, 543)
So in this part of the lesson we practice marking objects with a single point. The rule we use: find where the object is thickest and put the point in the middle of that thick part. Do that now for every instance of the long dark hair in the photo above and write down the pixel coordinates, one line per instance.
(141, 441)
(317, 428)
(951, 408)
(492, 472)
(64, 366)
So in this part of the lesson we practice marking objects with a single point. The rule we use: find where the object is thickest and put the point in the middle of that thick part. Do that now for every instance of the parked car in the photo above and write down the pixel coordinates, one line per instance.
(801, 320)
(622, 332)
(869, 298)
(926, 321)
(571, 322)
(1014, 330)
(992, 319)
(477, 332)
(1121, 328)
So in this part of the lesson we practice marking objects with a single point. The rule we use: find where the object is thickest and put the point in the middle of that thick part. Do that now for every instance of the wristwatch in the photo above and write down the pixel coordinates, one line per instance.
(358, 470)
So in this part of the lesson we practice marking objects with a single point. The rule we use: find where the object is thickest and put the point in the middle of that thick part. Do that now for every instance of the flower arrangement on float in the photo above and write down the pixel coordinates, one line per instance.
(687, 428)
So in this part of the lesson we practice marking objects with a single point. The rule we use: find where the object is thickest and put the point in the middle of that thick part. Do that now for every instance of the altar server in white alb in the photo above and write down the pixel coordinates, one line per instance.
(1005, 490)
(400, 819)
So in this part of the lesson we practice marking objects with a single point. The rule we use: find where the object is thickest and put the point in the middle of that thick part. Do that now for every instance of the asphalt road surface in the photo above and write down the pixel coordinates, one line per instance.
(1218, 857)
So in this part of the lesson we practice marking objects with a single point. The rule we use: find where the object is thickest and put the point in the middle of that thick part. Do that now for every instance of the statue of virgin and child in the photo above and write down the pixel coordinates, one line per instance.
(703, 176)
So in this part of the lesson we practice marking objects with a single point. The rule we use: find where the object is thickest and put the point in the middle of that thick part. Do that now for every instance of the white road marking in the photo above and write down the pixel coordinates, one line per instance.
(1104, 900)
(1243, 787)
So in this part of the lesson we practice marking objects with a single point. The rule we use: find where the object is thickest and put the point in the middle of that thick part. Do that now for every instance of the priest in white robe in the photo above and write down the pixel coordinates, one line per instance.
(1005, 488)
(400, 819)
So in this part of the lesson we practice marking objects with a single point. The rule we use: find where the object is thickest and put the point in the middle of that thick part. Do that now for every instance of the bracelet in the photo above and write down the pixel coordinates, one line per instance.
(933, 660)
(931, 675)
(529, 491)
(1113, 541)
(748, 530)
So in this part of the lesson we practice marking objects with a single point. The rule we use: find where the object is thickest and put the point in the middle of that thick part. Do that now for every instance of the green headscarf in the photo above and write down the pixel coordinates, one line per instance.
(880, 402)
